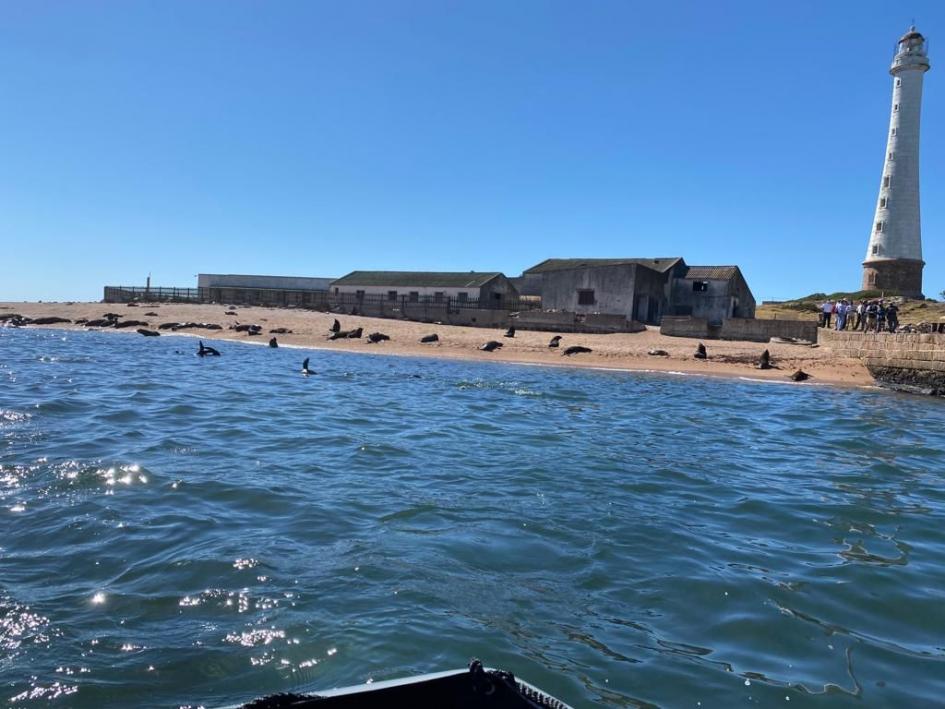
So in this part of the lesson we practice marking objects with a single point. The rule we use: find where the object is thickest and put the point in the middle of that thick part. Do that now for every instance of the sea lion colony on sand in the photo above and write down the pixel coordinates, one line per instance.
(114, 320)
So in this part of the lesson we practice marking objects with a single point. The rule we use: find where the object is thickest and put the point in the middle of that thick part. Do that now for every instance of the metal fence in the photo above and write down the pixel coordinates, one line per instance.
(366, 304)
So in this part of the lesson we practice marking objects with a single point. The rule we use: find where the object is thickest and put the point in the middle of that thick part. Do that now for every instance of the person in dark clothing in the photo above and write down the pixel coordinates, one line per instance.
(892, 317)
(881, 317)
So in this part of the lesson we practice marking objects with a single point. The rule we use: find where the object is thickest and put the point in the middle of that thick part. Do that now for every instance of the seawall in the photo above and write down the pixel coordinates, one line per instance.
(746, 329)
(909, 361)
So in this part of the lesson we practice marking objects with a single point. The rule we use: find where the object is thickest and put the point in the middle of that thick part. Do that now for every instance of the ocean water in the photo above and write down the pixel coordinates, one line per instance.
(177, 531)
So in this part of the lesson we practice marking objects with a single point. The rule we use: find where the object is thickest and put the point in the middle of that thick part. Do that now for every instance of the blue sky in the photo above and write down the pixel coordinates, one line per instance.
(315, 138)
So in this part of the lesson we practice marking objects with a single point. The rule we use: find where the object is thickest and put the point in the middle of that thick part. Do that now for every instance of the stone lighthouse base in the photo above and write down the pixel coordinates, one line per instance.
(904, 276)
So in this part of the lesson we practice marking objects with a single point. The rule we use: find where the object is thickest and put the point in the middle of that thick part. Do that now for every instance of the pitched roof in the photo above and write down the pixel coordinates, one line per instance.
(565, 264)
(406, 279)
(711, 273)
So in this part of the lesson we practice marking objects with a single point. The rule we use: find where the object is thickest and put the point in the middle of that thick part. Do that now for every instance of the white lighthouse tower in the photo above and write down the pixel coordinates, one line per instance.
(894, 255)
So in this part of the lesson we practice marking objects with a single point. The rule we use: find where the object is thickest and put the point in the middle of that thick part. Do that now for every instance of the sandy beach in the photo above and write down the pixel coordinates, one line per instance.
(615, 351)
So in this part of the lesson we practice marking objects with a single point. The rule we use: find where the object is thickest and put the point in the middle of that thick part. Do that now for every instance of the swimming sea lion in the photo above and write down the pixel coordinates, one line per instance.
(575, 349)
(204, 351)
(700, 352)
(555, 341)
(148, 333)
(273, 343)
(510, 332)
(375, 337)
(430, 338)
(765, 361)
(305, 370)
(491, 346)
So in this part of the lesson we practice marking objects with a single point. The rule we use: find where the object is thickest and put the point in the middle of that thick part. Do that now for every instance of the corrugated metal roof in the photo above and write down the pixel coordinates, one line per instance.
(565, 264)
(405, 279)
(711, 273)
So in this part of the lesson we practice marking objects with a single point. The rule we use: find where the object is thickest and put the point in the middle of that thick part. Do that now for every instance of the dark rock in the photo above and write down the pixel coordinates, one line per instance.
(913, 381)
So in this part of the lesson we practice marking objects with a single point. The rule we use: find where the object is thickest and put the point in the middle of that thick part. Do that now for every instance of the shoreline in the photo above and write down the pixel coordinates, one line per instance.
(614, 352)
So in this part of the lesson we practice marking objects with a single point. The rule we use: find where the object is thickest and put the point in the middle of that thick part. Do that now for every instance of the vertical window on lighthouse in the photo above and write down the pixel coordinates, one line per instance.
(882, 203)
(893, 132)
(879, 226)
(898, 82)
(886, 181)
(875, 249)
(896, 107)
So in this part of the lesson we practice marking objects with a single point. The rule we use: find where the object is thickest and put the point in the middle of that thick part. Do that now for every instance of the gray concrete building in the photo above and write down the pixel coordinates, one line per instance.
(263, 290)
(488, 289)
(641, 289)
(715, 293)
(633, 287)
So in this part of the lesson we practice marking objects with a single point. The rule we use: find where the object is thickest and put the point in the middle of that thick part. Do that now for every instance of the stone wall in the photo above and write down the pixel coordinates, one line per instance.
(750, 329)
(575, 322)
(911, 361)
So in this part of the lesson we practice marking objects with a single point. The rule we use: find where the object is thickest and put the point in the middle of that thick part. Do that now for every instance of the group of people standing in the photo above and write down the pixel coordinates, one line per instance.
(866, 316)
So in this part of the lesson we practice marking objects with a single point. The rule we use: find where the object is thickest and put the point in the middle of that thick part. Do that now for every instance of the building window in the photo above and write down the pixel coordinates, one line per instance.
(893, 132)
(882, 203)
(879, 226)
(896, 107)
(438, 297)
(886, 181)
(414, 296)
(359, 294)
(892, 156)
(391, 295)
(872, 279)
(700, 286)
(875, 249)
(462, 296)
(898, 82)
(586, 297)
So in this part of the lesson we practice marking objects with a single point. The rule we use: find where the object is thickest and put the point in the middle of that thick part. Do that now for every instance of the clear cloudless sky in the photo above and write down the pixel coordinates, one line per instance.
(314, 138)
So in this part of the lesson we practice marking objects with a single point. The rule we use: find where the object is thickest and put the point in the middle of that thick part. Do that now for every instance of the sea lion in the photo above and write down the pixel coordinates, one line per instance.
(555, 341)
(340, 334)
(510, 332)
(131, 323)
(204, 351)
(280, 331)
(356, 333)
(799, 376)
(305, 370)
(148, 333)
(151, 314)
(575, 349)
(491, 346)
(430, 338)
(112, 316)
(101, 322)
(765, 361)
(230, 312)
(49, 321)
(700, 352)
(273, 343)
(132, 305)
(658, 353)
(336, 326)
(376, 337)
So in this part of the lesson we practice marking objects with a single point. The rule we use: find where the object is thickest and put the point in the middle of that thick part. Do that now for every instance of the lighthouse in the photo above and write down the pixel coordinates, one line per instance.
(894, 255)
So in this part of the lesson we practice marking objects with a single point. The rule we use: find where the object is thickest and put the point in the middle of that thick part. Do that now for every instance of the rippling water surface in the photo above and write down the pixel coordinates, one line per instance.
(182, 531)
